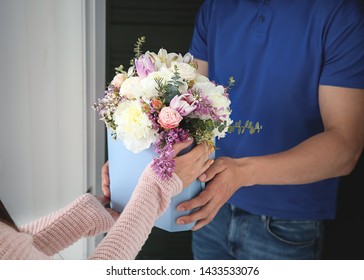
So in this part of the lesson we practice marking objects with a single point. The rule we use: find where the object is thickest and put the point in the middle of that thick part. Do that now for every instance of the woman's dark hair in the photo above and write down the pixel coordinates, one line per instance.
(5, 216)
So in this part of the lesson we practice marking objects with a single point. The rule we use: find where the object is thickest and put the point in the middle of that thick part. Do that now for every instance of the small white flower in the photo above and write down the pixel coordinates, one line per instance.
(173, 57)
(188, 58)
(131, 71)
(158, 59)
(163, 58)
(222, 134)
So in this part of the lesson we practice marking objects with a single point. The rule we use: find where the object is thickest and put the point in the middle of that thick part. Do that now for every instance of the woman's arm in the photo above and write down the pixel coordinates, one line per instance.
(150, 199)
(57, 231)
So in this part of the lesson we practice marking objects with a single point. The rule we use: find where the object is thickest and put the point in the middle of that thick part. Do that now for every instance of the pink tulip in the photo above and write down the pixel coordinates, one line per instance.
(183, 104)
(144, 65)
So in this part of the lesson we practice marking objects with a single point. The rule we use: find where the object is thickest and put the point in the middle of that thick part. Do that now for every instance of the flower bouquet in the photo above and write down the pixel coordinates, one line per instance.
(159, 101)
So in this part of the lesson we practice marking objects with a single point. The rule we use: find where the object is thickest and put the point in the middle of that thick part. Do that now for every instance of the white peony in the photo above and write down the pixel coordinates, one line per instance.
(134, 128)
(130, 88)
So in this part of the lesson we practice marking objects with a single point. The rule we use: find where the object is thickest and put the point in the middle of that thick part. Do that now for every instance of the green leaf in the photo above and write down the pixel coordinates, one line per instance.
(171, 91)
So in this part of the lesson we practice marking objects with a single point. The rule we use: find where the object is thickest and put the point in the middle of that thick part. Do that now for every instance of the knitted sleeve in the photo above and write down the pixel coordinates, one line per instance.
(149, 200)
(16, 245)
(57, 231)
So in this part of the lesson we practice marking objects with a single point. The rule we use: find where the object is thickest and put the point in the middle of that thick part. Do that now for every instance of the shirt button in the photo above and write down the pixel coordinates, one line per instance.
(261, 18)
(266, 2)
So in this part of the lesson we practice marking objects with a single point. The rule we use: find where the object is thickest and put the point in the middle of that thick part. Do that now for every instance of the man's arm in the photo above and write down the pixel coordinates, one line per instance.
(203, 67)
(331, 153)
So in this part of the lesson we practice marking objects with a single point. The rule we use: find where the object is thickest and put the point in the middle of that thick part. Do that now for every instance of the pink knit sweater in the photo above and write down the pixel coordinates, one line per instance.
(84, 217)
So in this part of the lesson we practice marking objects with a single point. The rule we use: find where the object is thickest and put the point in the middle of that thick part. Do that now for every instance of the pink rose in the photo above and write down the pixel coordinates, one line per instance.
(169, 118)
(183, 104)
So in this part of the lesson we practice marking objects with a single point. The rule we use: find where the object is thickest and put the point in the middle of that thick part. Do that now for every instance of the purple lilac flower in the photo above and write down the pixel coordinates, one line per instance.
(164, 165)
(108, 104)
(205, 108)
(153, 116)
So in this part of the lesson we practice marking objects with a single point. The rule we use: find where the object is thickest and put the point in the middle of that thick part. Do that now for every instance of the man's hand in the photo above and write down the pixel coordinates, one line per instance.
(224, 179)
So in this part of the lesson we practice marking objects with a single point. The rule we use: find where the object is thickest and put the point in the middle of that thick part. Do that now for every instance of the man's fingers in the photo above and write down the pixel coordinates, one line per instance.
(202, 216)
(201, 224)
(195, 202)
(211, 172)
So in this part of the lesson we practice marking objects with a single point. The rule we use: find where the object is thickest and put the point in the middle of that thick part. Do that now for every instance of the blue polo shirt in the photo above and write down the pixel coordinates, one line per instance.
(279, 52)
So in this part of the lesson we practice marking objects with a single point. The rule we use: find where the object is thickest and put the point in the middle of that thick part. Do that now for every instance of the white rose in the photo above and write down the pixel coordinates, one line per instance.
(186, 71)
(133, 126)
(149, 85)
(130, 88)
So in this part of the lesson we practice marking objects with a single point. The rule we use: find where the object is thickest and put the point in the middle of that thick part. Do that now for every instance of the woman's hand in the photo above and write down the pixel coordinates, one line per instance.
(105, 180)
(191, 165)
(104, 200)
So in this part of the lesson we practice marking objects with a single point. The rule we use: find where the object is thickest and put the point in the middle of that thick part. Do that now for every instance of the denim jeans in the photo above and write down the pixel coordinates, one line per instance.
(236, 234)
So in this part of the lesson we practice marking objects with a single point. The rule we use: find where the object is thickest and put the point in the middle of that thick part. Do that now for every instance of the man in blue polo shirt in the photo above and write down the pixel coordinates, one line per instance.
(299, 72)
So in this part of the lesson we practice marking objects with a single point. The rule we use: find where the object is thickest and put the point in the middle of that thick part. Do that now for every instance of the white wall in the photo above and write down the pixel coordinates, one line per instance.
(47, 143)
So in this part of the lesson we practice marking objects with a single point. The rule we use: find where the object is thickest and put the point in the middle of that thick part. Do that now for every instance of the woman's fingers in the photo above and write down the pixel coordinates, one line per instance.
(105, 180)
(181, 145)
(192, 164)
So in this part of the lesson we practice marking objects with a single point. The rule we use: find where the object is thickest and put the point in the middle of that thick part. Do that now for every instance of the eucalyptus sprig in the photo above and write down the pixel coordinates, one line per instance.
(119, 69)
(230, 84)
(137, 49)
(173, 85)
